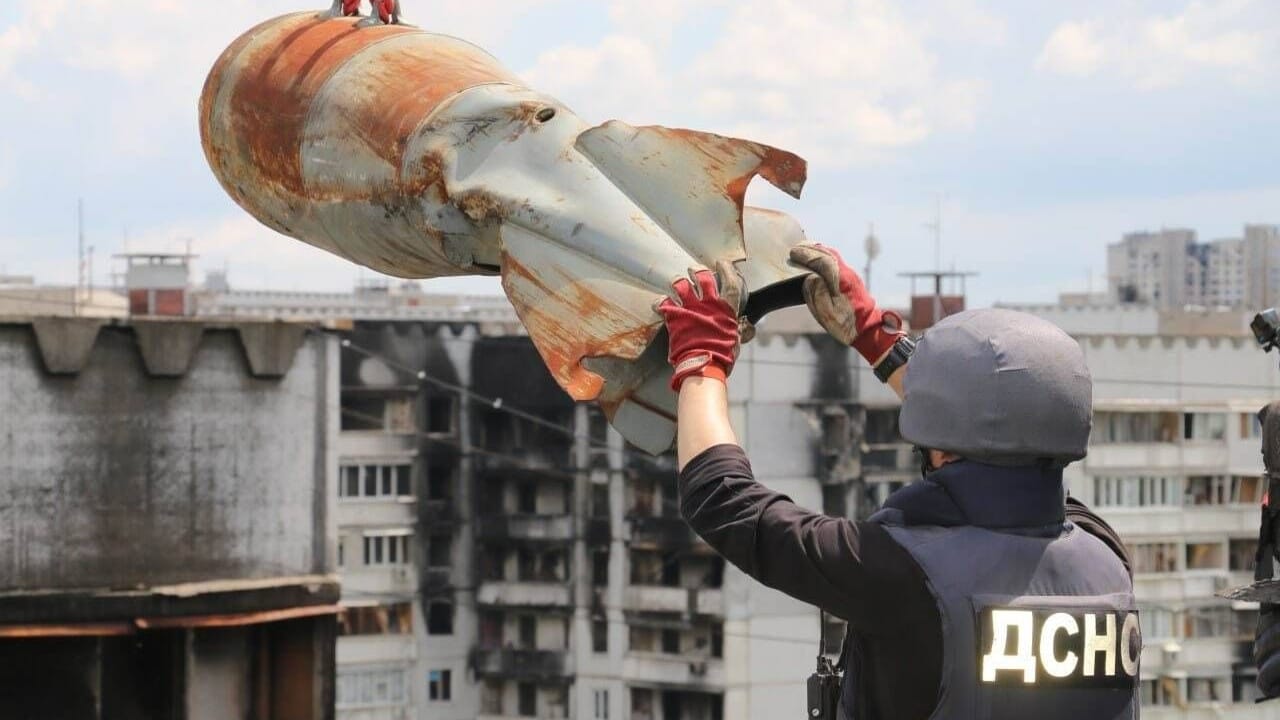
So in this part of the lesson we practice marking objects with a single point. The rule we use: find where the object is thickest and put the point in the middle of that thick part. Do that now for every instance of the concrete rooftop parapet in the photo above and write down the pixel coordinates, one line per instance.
(167, 345)
(65, 342)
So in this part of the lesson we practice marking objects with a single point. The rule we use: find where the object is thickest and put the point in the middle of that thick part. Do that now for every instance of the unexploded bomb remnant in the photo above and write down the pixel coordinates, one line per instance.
(418, 155)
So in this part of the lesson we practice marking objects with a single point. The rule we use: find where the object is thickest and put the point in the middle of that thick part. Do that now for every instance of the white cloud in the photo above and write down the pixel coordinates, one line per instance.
(1231, 40)
(1073, 49)
(840, 82)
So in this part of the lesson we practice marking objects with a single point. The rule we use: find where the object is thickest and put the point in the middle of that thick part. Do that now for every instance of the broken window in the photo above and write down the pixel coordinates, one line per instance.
(882, 426)
(399, 415)
(527, 699)
(641, 639)
(527, 498)
(390, 619)
(671, 641)
(528, 628)
(491, 697)
(439, 479)
(440, 618)
(440, 551)
(599, 500)
(440, 413)
(599, 636)
(490, 629)
(600, 568)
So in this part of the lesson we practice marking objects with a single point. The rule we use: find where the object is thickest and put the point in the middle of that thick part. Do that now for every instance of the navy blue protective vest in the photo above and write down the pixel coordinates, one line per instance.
(1038, 616)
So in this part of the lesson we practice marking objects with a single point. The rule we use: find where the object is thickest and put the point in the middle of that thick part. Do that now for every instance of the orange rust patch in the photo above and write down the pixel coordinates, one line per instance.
(556, 332)
(274, 93)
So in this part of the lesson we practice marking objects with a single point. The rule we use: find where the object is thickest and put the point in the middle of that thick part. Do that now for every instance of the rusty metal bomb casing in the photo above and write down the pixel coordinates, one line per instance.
(418, 155)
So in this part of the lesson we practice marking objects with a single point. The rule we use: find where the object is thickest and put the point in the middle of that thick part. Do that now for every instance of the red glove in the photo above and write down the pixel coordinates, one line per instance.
(350, 7)
(384, 8)
(702, 324)
(841, 302)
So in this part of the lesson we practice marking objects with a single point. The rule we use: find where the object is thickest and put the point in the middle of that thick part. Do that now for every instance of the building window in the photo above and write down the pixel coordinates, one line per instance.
(1154, 557)
(1206, 556)
(599, 636)
(390, 548)
(641, 639)
(440, 551)
(438, 685)
(528, 629)
(600, 568)
(375, 481)
(1136, 491)
(440, 414)
(371, 687)
(1136, 427)
(527, 699)
(1204, 426)
(491, 697)
(602, 704)
(1156, 623)
(671, 641)
(342, 551)
(1250, 426)
(440, 618)
(391, 619)
(1241, 554)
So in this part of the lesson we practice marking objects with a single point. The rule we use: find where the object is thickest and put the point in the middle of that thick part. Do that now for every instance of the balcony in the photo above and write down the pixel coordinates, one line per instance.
(355, 649)
(436, 513)
(512, 664)
(372, 580)
(686, 601)
(1179, 521)
(523, 594)
(438, 578)
(662, 533)
(374, 512)
(528, 528)
(1156, 456)
(666, 670)
(1176, 586)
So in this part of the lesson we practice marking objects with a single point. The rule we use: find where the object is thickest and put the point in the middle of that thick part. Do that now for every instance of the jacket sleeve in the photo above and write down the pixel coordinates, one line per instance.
(852, 570)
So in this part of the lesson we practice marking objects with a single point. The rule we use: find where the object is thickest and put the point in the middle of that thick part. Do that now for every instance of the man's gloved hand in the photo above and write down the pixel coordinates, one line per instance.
(702, 323)
(841, 303)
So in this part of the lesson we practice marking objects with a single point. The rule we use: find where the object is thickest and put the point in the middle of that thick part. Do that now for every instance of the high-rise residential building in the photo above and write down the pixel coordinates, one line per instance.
(1151, 267)
(1169, 270)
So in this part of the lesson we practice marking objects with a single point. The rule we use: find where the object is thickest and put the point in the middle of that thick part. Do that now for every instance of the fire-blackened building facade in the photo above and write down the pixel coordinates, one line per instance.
(541, 567)
(165, 517)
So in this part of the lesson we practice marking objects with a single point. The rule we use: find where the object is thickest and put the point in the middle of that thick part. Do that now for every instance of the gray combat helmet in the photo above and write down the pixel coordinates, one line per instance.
(1000, 387)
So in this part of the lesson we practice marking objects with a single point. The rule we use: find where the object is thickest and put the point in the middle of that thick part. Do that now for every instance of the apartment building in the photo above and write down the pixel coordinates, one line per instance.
(1169, 269)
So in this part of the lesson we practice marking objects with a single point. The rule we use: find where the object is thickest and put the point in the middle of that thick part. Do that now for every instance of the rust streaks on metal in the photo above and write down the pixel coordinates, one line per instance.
(561, 338)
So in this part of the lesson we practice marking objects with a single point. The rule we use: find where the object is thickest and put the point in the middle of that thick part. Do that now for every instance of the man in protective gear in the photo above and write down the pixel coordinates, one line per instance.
(980, 591)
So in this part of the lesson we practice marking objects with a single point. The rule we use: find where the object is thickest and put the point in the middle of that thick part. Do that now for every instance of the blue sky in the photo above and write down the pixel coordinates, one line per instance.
(1048, 129)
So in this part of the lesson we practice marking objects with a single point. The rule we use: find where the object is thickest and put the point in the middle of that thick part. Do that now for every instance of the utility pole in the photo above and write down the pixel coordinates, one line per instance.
(80, 269)
(936, 227)
(872, 247)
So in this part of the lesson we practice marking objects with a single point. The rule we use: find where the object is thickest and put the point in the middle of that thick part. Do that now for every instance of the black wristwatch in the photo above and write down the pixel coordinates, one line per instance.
(898, 356)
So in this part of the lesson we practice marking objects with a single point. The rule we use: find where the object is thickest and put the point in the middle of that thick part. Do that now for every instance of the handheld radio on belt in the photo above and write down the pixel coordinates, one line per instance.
(824, 684)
